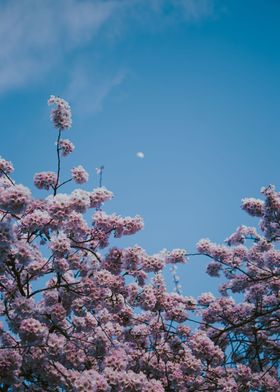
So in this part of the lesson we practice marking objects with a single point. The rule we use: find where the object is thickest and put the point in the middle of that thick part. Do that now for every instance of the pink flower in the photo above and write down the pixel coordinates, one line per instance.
(56, 343)
(80, 200)
(206, 298)
(45, 180)
(152, 263)
(241, 234)
(59, 206)
(66, 146)
(203, 347)
(5, 166)
(61, 116)
(60, 244)
(204, 246)
(254, 207)
(121, 226)
(15, 198)
(36, 220)
(61, 265)
(99, 196)
(6, 234)
(79, 174)
(10, 363)
(148, 298)
(32, 330)
(176, 256)
(79, 316)
(214, 269)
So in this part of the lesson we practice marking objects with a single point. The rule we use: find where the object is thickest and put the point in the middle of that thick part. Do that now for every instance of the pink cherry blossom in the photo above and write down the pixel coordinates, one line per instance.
(15, 199)
(254, 207)
(61, 115)
(81, 313)
(45, 180)
(5, 167)
(66, 147)
(79, 174)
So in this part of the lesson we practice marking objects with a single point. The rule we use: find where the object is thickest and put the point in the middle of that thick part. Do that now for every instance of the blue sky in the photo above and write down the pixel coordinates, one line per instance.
(194, 84)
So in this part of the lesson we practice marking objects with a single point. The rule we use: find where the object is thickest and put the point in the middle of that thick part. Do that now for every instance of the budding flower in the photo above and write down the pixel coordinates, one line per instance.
(99, 170)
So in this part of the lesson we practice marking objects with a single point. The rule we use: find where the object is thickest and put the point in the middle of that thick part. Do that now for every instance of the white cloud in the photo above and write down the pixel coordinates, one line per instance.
(173, 10)
(196, 9)
(92, 85)
(37, 36)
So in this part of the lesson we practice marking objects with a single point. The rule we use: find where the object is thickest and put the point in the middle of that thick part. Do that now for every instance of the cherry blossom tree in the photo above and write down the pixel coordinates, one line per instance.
(79, 315)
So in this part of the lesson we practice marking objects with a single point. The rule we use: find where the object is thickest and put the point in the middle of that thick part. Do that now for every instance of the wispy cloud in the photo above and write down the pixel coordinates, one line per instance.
(37, 36)
(189, 9)
(196, 9)
(93, 85)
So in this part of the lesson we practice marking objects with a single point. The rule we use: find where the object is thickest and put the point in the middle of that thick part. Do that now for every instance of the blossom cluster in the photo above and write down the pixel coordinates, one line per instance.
(61, 115)
(6, 167)
(45, 180)
(15, 199)
(66, 146)
(81, 315)
(79, 174)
